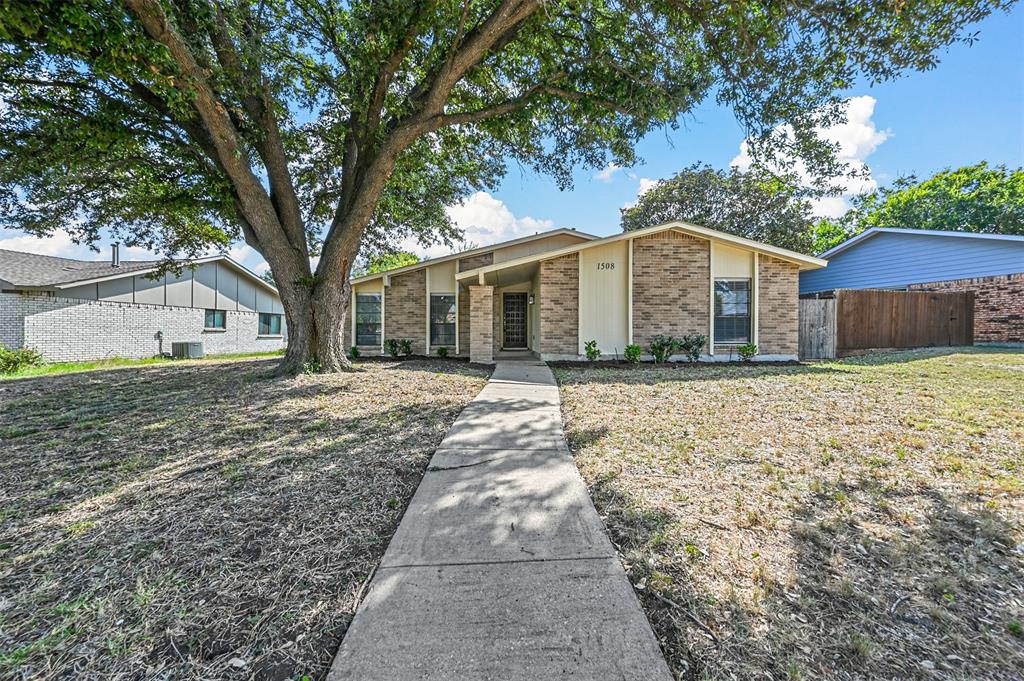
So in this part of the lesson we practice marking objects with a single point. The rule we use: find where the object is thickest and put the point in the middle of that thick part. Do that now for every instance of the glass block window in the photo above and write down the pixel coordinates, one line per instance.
(367, 319)
(442, 319)
(732, 311)
(270, 324)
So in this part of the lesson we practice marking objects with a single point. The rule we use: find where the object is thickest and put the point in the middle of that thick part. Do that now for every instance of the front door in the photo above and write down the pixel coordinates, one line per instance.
(514, 321)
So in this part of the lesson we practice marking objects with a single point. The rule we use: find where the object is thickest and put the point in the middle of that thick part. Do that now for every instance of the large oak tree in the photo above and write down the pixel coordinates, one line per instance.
(330, 126)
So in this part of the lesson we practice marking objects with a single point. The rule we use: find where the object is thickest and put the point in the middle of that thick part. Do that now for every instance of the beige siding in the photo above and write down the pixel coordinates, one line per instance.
(149, 291)
(179, 288)
(732, 263)
(604, 285)
(204, 286)
(551, 243)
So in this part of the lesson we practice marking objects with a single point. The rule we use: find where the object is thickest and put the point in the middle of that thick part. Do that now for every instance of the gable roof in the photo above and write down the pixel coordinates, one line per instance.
(805, 262)
(31, 270)
(474, 251)
(868, 233)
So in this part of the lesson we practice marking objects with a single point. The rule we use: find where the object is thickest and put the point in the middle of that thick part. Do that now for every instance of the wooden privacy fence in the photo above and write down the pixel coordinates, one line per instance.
(847, 321)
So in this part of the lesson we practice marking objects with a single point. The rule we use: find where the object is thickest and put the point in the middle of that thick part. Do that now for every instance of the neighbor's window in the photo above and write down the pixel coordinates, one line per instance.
(732, 310)
(270, 324)
(215, 319)
(367, 319)
(442, 319)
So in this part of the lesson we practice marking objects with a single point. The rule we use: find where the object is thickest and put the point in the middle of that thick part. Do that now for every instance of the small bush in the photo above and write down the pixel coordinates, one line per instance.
(663, 347)
(747, 352)
(405, 346)
(692, 344)
(391, 347)
(353, 352)
(442, 351)
(593, 352)
(632, 354)
(12, 361)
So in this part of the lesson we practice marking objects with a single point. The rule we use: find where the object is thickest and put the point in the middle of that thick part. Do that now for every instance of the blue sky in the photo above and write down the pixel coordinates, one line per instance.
(970, 108)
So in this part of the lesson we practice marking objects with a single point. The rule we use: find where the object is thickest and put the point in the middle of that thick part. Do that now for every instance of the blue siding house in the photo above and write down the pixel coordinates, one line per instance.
(883, 257)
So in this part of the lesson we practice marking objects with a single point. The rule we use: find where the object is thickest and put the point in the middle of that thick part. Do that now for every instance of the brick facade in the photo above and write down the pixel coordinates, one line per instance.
(464, 318)
(475, 261)
(778, 315)
(68, 329)
(481, 336)
(998, 305)
(559, 305)
(405, 309)
(671, 286)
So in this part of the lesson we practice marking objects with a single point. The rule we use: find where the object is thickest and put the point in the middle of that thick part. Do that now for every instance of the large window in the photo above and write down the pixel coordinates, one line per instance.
(367, 319)
(442, 319)
(215, 319)
(270, 324)
(732, 311)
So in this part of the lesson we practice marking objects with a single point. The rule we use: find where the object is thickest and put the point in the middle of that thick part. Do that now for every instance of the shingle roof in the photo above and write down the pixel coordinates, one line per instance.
(33, 270)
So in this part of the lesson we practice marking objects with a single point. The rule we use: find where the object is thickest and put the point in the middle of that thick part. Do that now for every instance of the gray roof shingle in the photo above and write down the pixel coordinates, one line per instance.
(33, 270)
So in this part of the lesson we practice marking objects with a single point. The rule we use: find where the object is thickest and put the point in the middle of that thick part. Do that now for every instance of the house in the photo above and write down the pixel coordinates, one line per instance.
(550, 293)
(990, 265)
(72, 310)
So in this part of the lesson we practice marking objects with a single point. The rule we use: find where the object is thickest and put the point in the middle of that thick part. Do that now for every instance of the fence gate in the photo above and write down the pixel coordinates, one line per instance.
(817, 328)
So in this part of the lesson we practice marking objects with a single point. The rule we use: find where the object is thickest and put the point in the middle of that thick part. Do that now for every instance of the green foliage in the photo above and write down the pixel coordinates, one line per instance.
(442, 352)
(312, 367)
(12, 361)
(390, 261)
(405, 346)
(752, 204)
(1016, 628)
(591, 349)
(392, 346)
(692, 344)
(663, 347)
(747, 352)
(353, 352)
(632, 354)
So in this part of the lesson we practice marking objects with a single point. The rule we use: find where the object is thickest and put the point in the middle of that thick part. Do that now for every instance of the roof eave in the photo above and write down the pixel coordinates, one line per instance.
(148, 270)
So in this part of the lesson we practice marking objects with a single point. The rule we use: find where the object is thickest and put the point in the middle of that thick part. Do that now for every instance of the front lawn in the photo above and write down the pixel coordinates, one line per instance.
(204, 520)
(853, 519)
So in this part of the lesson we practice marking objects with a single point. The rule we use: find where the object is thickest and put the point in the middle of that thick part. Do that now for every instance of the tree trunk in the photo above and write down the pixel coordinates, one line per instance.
(316, 322)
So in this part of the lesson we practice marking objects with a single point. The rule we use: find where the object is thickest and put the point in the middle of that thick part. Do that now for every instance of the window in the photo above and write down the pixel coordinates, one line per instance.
(270, 324)
(215, 319)
(367, 319)
(732, 310)
(442, 319)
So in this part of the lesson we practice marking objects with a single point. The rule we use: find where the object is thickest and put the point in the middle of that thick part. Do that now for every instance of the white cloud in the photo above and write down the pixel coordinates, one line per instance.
(856, 139)
(646, 185)
(607, 173)
(58, 244)
(484, 220)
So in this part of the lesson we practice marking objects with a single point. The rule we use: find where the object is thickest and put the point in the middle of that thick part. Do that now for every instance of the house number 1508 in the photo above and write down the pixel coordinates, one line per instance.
(606, 266)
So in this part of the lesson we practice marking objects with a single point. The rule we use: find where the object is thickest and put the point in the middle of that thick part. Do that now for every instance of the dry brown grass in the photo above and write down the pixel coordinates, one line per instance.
(856, 519)
(203, 520)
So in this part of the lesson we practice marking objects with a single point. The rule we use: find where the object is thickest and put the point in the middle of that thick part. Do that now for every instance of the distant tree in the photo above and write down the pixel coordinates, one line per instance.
(388, 261)
(751, 204)
(829, 233)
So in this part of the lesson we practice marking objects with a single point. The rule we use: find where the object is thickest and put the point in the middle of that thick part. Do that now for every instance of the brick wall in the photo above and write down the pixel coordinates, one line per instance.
(475, 261)
(463, 320)
(559, 306)
(66, 329)
(405, 309)
(998, 305)
(778, 318)
(671, 286)
(481, 310)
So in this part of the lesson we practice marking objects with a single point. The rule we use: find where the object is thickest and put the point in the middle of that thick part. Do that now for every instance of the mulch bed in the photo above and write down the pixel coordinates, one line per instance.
(205, 519)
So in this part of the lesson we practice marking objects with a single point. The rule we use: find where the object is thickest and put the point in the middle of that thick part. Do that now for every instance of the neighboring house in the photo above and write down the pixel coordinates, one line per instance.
(550, 293)
(990, 265)
(72, 310)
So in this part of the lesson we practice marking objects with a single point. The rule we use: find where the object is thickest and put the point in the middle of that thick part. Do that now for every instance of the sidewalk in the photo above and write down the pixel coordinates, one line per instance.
(501, 568)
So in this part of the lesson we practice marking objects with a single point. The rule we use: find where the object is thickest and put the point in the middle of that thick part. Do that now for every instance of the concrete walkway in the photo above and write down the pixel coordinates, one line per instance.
(501, 568)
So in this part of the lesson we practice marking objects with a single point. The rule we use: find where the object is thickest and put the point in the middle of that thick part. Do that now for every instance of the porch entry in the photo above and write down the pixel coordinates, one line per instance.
(514, 306)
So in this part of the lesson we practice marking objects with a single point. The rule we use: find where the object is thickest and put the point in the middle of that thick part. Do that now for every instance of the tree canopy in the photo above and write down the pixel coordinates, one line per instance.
(754, 204)
(389, 261)
(340, 126)
(974, 198)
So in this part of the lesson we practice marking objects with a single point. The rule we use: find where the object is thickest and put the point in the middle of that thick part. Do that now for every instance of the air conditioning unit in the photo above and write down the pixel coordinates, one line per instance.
(187, 350)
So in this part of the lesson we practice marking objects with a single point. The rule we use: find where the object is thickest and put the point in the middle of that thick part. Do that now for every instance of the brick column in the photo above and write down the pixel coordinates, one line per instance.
(481, 321)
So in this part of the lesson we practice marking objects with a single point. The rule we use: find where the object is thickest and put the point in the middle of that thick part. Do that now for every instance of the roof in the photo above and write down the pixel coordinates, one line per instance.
(805, 262)
(867, 234)
(31, 270)
(474, 251)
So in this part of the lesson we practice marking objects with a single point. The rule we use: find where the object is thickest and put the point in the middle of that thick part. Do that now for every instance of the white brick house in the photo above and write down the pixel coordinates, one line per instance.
(73, 310)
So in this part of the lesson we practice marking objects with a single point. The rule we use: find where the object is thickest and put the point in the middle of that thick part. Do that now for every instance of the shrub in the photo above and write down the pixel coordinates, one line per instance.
(747, 351)
(405, 346)
(391, 347)
(442, 351)
(353, 352)
(692, 344)
(593, 352)
(12, 361)
(663, 347)
(633, 353)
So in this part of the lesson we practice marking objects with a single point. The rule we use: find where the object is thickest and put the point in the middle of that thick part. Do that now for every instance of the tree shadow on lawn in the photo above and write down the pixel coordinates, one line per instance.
(867, 588)
(882, 357)
(204, 520)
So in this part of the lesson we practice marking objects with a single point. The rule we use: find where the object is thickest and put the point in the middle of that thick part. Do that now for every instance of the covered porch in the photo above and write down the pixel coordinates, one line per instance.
(504, 312)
